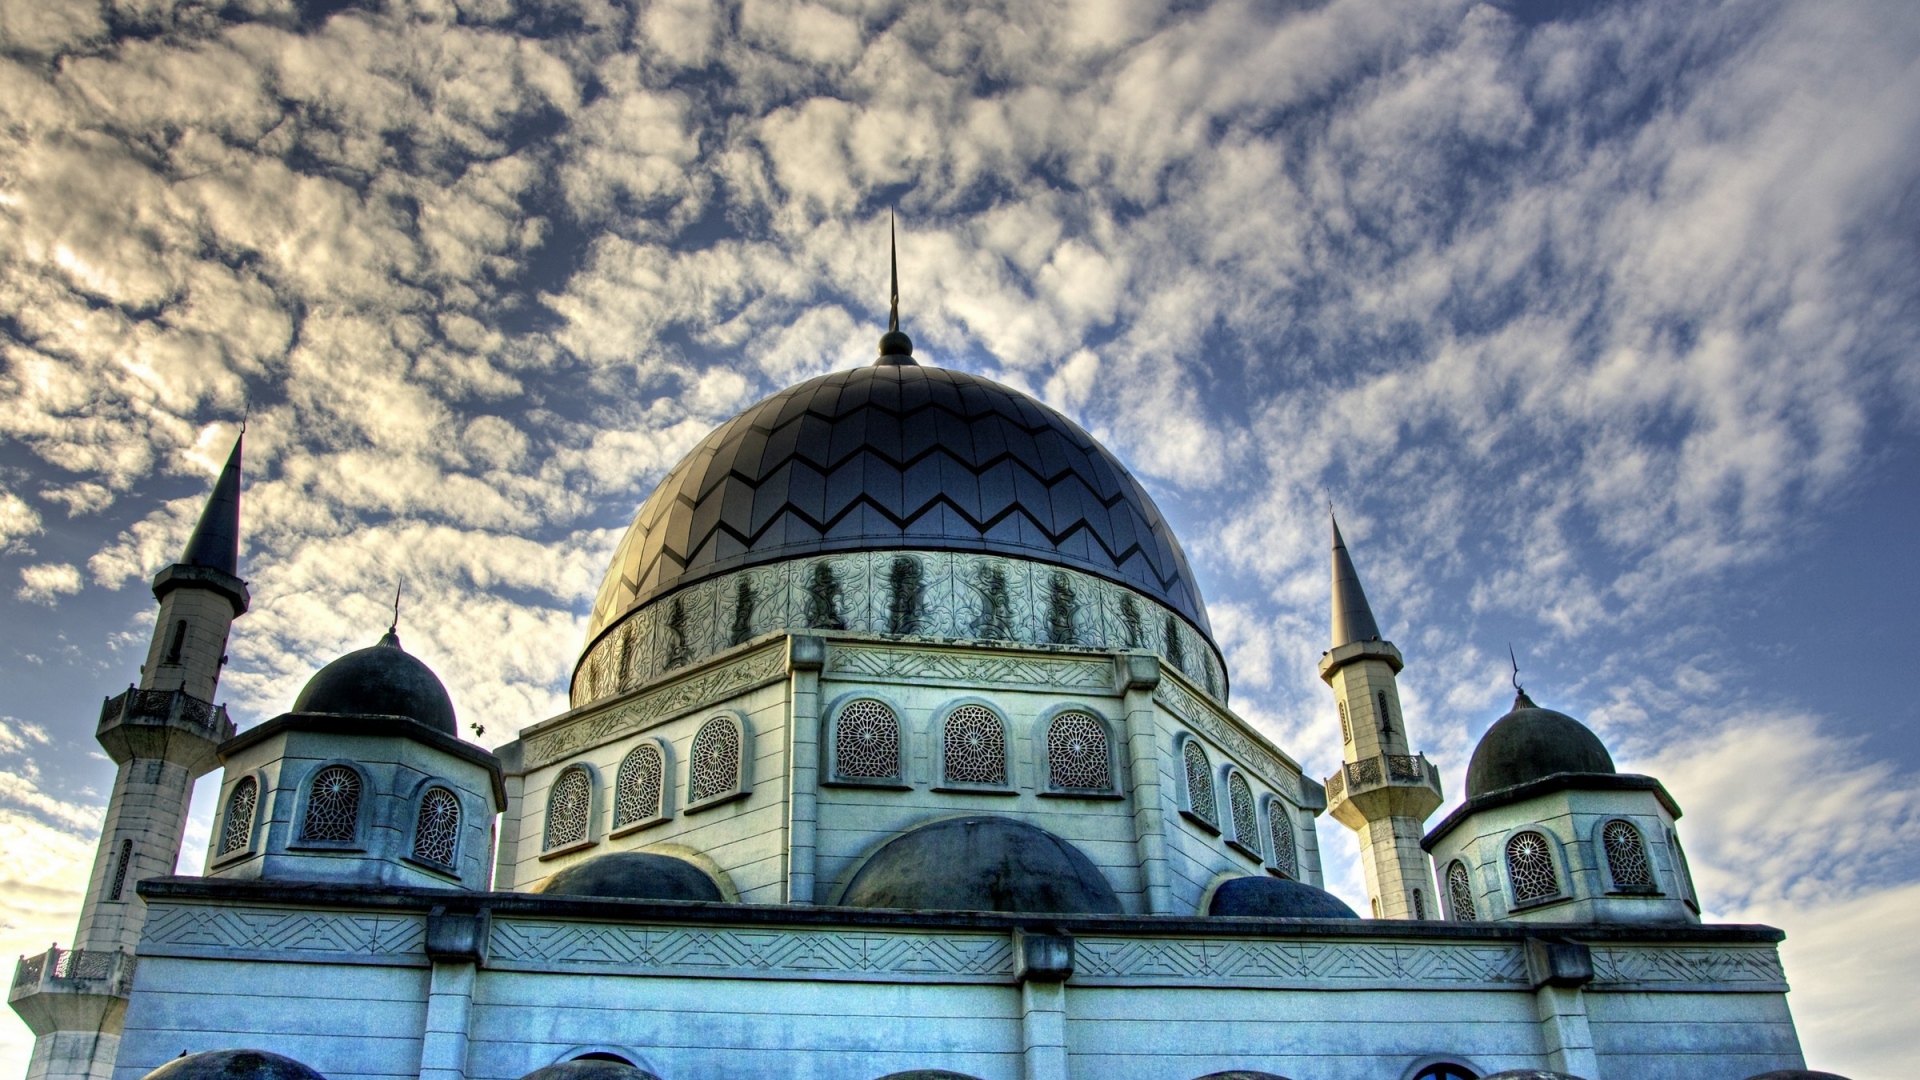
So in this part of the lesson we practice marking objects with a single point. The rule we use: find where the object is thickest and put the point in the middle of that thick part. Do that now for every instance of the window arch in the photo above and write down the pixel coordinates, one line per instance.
(1079, 754)
(1530, 867)
(1460, 892)
(1626, 855)
(866, 742)
(436, 827)
(569, 808)
(640, 787)
(333, 806)
(1685, 872)
(974, 747)
(713, 764)
(236, 833)
(1346, 730)
(1286, 855)
(1199, 771)
(1246, 819)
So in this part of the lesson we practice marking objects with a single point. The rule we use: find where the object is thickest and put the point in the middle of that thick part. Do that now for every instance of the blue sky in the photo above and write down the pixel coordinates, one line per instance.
(1597, 321)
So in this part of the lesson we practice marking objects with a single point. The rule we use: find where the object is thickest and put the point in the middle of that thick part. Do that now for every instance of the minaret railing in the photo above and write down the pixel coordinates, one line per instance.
(162, 705)
(1382, 771)
(98, 971)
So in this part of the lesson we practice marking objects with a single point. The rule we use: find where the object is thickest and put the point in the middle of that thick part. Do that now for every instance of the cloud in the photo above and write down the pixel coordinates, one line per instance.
(45, 581)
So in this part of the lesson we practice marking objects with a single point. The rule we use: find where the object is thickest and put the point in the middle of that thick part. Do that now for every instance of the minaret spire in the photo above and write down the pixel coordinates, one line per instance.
(215, 543)
(896, 348)
(1352, 617)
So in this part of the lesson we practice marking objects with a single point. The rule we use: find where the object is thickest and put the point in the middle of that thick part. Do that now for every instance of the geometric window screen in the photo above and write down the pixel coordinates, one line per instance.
(436, 834)
(333, 806)
(569, 808)
(240, 807)
(1626, 855)
(640, 786)
(866, 744)
(1246, 820)
(1199, 783)
(1460, 892)
(1077, 753)
(975, 747)
(1286, 858)
(714, 763)
(1530, 866)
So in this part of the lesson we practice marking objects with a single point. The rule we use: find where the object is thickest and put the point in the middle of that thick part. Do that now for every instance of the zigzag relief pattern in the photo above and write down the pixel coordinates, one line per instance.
(1224, 730)
(319, 933)
(774, 953)
(675, 698)
(1756, 966)
(1306, 964)
(897, 457)
(927, 595)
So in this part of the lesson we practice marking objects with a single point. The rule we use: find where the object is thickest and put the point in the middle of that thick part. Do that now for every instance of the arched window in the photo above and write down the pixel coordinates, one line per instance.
(1626, 855)
(713, 768)
(569, 808)
(1530, 867)
(1460, 892)
(333, 806)
(1346, 730)
(1686, 873)
(237, 833)
(640, 787)
(1077, 756)
(975, 746)
(1386, 717)
(1246, 820)
(1199, 783)
(866, 742)
(1419, 906)
(436, 830)
(1286, 858)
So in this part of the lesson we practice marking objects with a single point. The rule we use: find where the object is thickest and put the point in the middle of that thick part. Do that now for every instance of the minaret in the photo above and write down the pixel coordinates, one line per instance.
(1384, 791)
(163, 735)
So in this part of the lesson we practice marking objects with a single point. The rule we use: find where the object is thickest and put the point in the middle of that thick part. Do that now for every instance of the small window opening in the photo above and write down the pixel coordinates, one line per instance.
(179, 642)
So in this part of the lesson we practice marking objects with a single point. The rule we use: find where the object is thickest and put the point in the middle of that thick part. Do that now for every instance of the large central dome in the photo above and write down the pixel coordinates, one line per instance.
(901, 457)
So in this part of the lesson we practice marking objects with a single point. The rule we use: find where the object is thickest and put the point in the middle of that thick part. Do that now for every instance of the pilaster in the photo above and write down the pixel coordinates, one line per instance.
(806, 655)
(1140, 674)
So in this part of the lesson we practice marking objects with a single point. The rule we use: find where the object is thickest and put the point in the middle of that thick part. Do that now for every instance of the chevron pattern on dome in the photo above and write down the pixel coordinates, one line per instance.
(897, 457)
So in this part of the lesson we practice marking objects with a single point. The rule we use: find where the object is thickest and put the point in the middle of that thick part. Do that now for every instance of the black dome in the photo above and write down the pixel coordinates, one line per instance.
(1531, 743)
(633, 875)
(233, 1065)
(1796, 1074)
(384, 680)
(590, 1069)
(982, 864)
(1276, 898)
(896, 457)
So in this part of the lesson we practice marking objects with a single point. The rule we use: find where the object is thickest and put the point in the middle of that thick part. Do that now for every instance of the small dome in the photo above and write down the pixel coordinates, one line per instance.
(1276, 898)
(384, 680)
(590, 1068)
(1531, 743)
(233, 1065)
(632, 875)
(1530, 1074)
(1796, 1074)
(982, 864)
(927, 1074)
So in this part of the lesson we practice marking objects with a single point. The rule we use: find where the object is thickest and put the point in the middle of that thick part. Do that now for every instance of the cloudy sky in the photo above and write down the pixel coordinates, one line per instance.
(1597, 320)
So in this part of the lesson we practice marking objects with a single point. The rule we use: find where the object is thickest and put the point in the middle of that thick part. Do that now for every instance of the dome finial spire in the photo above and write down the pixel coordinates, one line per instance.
(1520, 698)
(393, 630)
(896, 348)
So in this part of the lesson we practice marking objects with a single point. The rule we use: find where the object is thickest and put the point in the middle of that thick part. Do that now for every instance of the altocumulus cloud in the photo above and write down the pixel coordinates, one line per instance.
(1577, 308)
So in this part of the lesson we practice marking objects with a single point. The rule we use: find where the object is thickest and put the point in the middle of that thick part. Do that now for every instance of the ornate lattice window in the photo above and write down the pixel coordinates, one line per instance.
(640, 786)
(436, 832)
(1286, 856)
(237, 833)
(1346, 730)
(1077, 757)
(120, 870)
(713, 768)
(1530, 866)
(1246, 821)
(569, 808)
(1419, 907)
(866, 743)
(1460, 892)
(975, 746)
(1199, 783)
(1626, 855)
(333, 806)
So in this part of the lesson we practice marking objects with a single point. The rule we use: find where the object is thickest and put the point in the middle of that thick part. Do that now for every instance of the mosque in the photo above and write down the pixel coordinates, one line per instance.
(899, 746)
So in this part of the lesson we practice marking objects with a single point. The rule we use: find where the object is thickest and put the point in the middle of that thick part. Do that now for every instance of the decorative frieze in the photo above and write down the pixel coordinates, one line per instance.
(286, 933)
(933, 595)
(970, 668)
(696, 691)
(1720, 967)
(1226, 733)
(1293, 964)
(722, 952)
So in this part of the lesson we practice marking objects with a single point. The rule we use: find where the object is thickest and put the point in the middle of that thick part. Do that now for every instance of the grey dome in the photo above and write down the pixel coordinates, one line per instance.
(927, 1074)
(633, 875)
(384, 680)
(1796, 1074)
(1531, 743)
(233, 1065)
(897, 457)
(1276, 898)
(588, 1068)
(1530, 1074)
(982, 863)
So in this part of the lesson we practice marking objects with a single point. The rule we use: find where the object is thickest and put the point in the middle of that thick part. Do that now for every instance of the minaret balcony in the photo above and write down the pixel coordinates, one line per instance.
(72, 989)
(148, 724)
(1388, 785)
